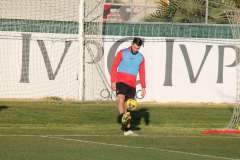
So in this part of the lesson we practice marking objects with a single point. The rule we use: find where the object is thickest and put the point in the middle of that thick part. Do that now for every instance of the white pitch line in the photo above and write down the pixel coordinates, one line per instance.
(118, 135)
(139, 147)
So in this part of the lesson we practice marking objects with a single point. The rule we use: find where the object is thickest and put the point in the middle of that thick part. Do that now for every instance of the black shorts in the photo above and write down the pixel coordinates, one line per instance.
(128, 91)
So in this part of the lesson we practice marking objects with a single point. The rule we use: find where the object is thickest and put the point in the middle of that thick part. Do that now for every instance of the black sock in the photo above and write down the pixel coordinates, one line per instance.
(119, 118)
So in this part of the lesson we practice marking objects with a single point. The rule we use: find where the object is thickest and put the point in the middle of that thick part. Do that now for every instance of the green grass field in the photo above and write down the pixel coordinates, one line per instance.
(88, 131)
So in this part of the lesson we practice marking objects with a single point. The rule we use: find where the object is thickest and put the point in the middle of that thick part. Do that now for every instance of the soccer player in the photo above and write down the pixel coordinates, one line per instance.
(125, 68)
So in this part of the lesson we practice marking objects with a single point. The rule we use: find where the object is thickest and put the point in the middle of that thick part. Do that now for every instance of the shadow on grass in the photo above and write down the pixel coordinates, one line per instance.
(141, 115)
(3, 108)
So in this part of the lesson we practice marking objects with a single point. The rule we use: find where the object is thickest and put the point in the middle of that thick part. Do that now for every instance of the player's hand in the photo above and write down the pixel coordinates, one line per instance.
(143, 93)
(113, 86)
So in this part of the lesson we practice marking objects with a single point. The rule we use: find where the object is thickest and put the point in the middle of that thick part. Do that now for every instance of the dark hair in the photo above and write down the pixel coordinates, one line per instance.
(138, 41)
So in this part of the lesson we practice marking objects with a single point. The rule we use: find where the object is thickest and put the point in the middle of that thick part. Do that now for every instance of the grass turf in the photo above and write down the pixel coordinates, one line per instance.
(88, 131)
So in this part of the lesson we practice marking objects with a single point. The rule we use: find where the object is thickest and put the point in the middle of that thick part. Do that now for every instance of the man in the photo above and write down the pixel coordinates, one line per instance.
(125, 68)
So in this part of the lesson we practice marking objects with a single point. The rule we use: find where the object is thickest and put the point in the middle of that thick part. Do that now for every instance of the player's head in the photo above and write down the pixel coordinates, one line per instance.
(136, 44)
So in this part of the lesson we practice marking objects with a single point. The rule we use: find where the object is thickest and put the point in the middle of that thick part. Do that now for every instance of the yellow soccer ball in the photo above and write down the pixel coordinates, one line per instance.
(131, 104)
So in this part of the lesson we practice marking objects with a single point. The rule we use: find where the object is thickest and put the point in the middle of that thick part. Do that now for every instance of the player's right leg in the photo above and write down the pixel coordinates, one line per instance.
(123, 117)
(121, 92)
(121, 103)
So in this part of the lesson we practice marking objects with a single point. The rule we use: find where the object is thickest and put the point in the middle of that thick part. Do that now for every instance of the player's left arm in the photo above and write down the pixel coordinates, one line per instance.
(142, 77)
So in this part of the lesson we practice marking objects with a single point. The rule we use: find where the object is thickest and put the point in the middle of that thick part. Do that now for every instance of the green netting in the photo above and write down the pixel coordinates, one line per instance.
(41, 26)
(169, 30)
(122, 29)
